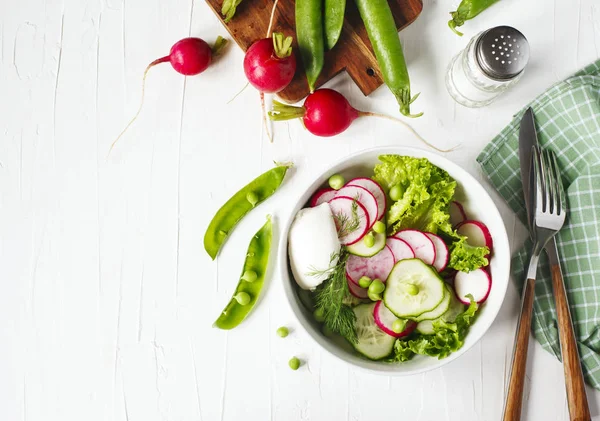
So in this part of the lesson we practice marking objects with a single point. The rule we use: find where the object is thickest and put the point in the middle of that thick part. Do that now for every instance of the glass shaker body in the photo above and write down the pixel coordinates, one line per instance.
(469, 84)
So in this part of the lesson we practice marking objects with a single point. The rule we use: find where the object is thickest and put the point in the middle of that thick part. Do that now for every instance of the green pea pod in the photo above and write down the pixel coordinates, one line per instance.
(257, 261)
(309, 32)
(334, 21)
(381, 28)
(226, 218)
(467, 9)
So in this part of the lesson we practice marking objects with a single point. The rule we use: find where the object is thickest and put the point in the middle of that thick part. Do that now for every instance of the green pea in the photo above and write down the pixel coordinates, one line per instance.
(369, 240)
(243, 298)
(282, 332)
(319, 315)
(373, 296)
(239, 205)
(396, 193)
(249, 275)
(398, 325)
(336, 182)
(326, 331)
(412, 289)
(376, 287)
(252, 198)
(257, 258)
(379, 227)
(364, 282)
(294, 363)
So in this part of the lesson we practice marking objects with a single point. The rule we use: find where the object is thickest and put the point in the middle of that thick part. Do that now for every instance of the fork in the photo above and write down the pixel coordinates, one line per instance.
(549, 212)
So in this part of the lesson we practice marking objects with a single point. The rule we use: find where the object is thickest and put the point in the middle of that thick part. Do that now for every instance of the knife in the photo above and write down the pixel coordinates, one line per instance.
(576, 396)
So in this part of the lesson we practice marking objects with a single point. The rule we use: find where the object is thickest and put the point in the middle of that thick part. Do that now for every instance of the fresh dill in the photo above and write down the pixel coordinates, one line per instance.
(333, 259)
(347, 225)
(330, 296)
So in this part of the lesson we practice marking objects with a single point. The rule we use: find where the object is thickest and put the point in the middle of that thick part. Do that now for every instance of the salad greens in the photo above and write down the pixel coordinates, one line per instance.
(425, 195)
(447, 338)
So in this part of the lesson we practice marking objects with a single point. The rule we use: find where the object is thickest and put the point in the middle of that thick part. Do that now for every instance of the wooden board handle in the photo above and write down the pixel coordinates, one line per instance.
(514, 396)
(576, 397)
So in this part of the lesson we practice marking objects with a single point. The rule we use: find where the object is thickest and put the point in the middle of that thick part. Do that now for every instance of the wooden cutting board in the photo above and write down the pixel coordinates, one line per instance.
(353, 52)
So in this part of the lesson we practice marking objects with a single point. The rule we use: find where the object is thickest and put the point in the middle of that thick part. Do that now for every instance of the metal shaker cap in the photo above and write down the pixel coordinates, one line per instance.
(502, 52)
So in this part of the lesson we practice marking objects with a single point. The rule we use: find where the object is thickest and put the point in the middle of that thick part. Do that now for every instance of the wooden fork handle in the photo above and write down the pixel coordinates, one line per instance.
(576, 397)
(514, 396)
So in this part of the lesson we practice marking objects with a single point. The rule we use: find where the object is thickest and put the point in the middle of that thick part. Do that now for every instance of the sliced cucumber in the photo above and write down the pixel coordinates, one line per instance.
(454, 309)
(413, 288)
(373, 342)
(439, 310)
(360, 248)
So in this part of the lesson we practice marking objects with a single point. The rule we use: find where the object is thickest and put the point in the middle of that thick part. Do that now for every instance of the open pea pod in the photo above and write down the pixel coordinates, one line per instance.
(252, 280)
(226, 218)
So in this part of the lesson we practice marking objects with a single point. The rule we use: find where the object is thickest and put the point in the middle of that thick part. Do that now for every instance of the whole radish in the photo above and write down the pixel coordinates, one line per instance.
(328, 113)
(270, 64)
(188, 56)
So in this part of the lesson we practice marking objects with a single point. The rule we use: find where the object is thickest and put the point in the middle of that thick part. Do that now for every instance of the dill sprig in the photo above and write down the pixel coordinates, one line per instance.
(329, 297)
(345, 224)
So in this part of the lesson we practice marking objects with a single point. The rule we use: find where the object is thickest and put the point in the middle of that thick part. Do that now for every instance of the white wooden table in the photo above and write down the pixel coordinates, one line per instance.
(106, 295)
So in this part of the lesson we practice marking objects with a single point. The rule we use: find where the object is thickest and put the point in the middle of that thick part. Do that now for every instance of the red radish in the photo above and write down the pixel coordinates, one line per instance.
(442, 254)
(478, 235)
(375, 267)
(351, 219)
(420, 243)
(189, 56)
(322, 196)
(384, 318)
(356, 290)
(400, 249)
(327, 113)
(269, 64)
(375, 189)
(365, 198)
(457, 213)
(478, 283)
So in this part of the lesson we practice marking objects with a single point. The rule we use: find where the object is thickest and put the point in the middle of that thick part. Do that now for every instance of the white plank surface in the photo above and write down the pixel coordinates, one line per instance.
(106, 294)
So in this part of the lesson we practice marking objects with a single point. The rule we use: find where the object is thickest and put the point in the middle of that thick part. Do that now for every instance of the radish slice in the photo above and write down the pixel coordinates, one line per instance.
(384, 318)
(375, 189)
(457, 213)
(322, 196)
(420, 243)
(345, 218)
(400, 249)
(478, 283)
(378, 266)
(356, 290)
(365, 198)
(477, 234)
(442, 255)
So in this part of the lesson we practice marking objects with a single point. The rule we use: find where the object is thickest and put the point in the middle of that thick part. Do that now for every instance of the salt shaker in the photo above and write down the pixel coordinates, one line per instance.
(492, 62)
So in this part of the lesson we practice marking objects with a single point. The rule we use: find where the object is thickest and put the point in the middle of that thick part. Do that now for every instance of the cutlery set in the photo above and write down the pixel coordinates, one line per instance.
(546, 212)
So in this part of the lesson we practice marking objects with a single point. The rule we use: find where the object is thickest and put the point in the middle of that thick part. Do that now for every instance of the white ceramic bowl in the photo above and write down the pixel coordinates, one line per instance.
(478, 205)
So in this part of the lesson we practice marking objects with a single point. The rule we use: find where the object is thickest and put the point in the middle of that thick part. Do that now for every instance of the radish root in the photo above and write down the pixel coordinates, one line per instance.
(264, 116)
(238, 94)
(272, 18)
(151, 65)
(409, 127)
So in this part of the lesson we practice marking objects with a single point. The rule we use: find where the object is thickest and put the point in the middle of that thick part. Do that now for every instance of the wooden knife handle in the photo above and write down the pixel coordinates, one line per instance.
(576, 397)
(514, 396)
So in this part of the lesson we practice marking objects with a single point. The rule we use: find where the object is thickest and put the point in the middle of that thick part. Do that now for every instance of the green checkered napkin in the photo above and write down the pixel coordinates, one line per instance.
(568, 122)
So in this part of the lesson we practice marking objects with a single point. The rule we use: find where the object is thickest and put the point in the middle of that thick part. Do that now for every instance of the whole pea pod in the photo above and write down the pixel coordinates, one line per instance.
(227, 217)
(309, 33)
(381, 28)
(467, 9)
(252, 280)
(334, 21)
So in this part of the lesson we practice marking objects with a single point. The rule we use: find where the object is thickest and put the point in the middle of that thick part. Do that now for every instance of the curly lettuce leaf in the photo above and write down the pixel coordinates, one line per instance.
(446, 339)
(427, 191)
(464, 257)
